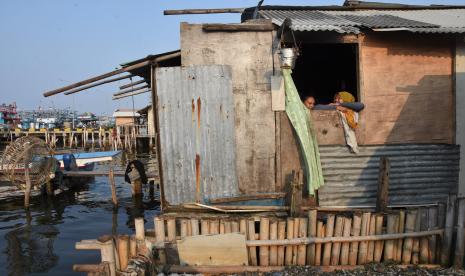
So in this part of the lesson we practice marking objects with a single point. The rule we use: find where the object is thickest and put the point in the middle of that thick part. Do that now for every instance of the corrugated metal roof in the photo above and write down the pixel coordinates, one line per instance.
(419, 174)
(352, 21)
(196, 115)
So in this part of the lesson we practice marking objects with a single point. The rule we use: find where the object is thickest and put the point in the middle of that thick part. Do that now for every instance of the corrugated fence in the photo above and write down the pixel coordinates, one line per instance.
(419, 174)
(196, 114)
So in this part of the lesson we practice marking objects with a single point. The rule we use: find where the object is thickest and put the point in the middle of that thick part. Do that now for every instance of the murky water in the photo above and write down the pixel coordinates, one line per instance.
(41, 240)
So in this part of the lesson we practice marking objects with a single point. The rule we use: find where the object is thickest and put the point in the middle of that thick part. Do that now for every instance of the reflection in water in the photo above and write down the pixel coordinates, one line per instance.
(42, 239)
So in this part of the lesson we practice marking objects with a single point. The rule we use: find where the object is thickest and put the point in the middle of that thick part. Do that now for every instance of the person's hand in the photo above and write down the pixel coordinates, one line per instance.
(341, 108)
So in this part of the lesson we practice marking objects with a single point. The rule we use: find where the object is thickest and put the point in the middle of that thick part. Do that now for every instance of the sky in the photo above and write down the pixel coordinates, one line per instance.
(48, 44)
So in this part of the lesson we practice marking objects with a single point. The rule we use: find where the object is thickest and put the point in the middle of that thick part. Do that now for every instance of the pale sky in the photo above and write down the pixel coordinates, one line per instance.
(51, 43)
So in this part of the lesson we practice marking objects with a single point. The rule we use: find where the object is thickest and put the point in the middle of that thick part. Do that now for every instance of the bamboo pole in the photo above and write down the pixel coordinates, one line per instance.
(302, 249)
(459, 244)
(389, 244)
(312, 225)
(378, 244)
(336, 248)
(448, 231)
(281, 236)
(202, 11)
(424, 242)
(107, 251)
(273, 249)
(416, 241)
(432, 241)
(251, 237)
(329, 233)
(320, 231)
(214, 226)
(364, 230)
(264, 251)
(160, 236)
(133, 246)
(371, 244)
(123, 251)
(345, 246)
(353, 249)
(400, 229)
(408, 243)
(290, 235)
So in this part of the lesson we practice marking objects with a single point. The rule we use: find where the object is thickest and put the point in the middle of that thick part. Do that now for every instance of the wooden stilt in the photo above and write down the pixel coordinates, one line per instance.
(363, 247)
(312, 225)
(371, 244)
(448, 231)
(273, 236)
(329, 233)
(408, 243)
(345, 245)
(123, 251)
(302, 249)
(336, 248)
(27, 192)
(416, 241)
(107, 251)
(353, 248)
(320, 231)
(251, 236)
(281, 236)
(111, 179)
(389, 244)
(289, 248)
(264, 251)
(424, 242)
(160, 236)
(296, 235)
(432, 241)
(400, 229)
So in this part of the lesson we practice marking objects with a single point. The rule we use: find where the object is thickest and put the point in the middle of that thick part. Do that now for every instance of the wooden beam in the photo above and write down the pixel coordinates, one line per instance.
(131, 84)
(130, 94)
(130, 90)
(262, 27)
(203, 11)
(97, 78)
(97, 84)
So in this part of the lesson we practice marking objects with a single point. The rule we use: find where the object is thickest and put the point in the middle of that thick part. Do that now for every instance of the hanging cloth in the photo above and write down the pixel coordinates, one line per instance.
(300, 118)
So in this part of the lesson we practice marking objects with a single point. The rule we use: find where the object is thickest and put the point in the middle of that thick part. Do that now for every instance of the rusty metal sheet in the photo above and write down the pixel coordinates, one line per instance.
(420, 173)
(196, 115)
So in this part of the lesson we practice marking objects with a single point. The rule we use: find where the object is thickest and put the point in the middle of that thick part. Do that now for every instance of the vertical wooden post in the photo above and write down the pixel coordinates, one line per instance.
(448, 231)
(296, 235)
(383, 185)
(416, 241)
(264, 251)
(107, 251)
(320, 232)
(432, 224)
(424, 242)
(235, 226)
(400, 229)
(312, 225)
(111, 178)
(171, 227)
(363, 248)
(49, 188)
(160, 236)
(302, 249)
(371, 244)
(273, 249)
(204, 227)
(281, 236)
(243, 227)
(329, 233)
(336, 250)
(408, 243)
(27, 192)
(123, 251)
(389, 251)
(252, 249)
(133, 246)
(140, 229)
(353, 249)
(460, 242)
(378, 244)
(289, 235)
(194, 227)
(345, 245)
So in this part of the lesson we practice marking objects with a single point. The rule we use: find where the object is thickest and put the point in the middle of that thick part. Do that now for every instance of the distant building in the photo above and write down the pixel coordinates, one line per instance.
(8, 116)
(125, 117)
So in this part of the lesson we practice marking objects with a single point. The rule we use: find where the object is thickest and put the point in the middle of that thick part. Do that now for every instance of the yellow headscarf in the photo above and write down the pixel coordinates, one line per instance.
(349, 114)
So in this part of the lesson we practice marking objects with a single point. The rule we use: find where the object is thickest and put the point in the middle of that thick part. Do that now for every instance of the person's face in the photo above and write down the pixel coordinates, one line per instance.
(338, 99)
(309, 102)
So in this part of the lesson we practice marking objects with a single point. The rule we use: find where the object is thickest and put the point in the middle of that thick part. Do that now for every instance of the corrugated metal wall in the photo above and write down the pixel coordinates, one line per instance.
(419, 174)
(196, 114)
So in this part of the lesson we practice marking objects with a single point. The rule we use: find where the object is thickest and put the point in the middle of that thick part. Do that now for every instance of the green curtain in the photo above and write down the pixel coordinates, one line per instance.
(301, 120)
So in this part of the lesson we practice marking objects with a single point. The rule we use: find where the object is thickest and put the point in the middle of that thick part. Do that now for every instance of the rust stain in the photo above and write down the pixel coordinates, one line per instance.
(197, 178)
(199, 105)
(193, 110)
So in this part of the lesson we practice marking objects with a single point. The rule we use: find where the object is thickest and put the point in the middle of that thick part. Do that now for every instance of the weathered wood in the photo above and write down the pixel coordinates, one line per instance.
(235, 227)
(320, 231)
(247, 197)
(204, 227)
(99, 269)
(336, 248)
(264, 251)
(273, 249)
(123, 251)
(107, 252)
(416, 241)
(214, 226)
(378, 244)
(195, 227)
(241, 27)
(345, 246)
(183, 228)
(389, 247)
(364, 230)
(218, 250)
(111, 179)
(329, 233)
(371, 244)
(408, 243)
(424, 243)
(97, 84)
(129, 84)
(243, 226)
(302, 249)
(171, 229)
(448, 231)
(278, 97)
(202, 11)
(289, 235)
(353, 249)
(132, 89)
(400, 229)
(27, 192)
(133, 248)
(460, 240)
(432, 241)
(312, 228)
(281, 236)
(383, 185)
(251, 236)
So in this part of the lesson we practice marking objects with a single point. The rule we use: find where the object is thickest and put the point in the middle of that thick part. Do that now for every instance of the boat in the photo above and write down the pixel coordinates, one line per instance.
(85, 161)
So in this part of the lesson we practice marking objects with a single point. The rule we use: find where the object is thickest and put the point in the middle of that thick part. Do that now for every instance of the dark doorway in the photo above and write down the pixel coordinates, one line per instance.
(321, 70)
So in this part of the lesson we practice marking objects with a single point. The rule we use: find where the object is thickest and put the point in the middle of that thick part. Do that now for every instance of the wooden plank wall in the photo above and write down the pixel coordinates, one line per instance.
(249, 54)
(407, 88)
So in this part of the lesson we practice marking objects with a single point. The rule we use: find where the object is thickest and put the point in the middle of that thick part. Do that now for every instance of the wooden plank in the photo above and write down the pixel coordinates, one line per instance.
(460, 241)
(278, 96)
(225, 249)
(448, 231)
(242, 27)
(202, 11)
(97, 84)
